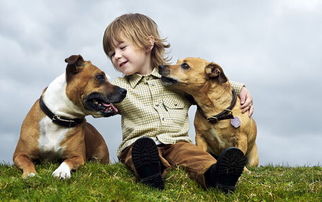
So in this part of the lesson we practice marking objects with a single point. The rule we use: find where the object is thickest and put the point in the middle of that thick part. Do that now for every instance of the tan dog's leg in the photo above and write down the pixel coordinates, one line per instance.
(242, 142)
(252, 156)
(242, 145)
(201, 142)
(23, 162)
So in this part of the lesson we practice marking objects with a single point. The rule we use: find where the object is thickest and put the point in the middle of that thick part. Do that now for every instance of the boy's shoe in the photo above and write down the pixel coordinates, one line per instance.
(147, 162)
(225, 173)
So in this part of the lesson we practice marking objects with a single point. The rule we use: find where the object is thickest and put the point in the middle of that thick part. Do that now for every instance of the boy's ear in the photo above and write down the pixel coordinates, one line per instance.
(215, 72)
(151, 41)
(74, 65)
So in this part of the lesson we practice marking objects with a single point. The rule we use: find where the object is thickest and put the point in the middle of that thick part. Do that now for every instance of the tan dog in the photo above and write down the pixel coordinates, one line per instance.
(219, 122)
(55, 128)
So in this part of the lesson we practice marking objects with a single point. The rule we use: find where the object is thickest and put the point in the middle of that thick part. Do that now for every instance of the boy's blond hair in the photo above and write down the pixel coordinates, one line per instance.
(140, 30)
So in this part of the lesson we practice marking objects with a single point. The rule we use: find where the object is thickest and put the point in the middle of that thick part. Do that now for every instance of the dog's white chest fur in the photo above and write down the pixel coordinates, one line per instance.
(51, 134)
(51, 137)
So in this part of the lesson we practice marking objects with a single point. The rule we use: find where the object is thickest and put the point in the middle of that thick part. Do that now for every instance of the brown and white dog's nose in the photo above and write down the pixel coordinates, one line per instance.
(122, 92)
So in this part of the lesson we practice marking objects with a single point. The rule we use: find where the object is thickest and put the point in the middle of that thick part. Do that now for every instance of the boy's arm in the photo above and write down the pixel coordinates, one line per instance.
(246, 99)
(237, 86)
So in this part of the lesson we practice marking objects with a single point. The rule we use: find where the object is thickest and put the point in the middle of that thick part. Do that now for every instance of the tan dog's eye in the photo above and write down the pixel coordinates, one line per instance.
(185, 66)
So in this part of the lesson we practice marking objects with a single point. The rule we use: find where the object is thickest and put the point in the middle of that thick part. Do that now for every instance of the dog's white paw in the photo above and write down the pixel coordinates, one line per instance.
(62, 172)
(29, 175)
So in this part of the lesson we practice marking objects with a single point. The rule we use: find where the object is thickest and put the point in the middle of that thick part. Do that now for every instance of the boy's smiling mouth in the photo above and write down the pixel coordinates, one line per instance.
(123, 63)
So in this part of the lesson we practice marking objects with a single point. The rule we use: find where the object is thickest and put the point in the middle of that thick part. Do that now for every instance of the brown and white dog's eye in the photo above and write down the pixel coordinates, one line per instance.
(100, 78)
(185, 66)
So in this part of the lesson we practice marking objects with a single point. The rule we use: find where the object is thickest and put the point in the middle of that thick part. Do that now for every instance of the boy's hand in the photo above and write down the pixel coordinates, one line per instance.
(246, 101)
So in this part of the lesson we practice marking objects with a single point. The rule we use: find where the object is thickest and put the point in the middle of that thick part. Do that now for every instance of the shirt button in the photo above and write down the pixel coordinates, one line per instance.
(162, 119)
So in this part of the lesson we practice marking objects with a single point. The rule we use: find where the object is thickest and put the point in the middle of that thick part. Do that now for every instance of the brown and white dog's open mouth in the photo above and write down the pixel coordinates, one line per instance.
(104, 104)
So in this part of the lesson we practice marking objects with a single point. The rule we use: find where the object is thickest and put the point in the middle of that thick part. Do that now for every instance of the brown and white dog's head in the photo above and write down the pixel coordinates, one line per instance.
(88, 88)
(191, 74)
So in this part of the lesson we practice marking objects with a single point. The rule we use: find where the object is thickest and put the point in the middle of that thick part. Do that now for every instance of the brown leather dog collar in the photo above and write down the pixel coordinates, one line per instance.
(59, 120)
(226, 114)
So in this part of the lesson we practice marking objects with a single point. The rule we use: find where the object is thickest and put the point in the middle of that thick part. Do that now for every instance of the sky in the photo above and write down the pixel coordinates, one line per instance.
(273, 47)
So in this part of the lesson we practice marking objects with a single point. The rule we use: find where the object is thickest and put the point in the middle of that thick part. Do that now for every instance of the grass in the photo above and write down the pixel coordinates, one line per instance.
(95, 182)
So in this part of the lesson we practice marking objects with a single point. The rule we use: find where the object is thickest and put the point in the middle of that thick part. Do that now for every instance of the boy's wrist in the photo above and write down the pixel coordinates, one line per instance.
(237, 86)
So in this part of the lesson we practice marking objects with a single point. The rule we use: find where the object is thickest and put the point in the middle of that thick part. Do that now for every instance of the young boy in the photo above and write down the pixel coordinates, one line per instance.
(154, 118)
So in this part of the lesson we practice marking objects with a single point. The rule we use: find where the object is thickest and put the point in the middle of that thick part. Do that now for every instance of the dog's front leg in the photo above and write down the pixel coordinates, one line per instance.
(243, 146)
(23, 162)
(252, 156)
(201, 142)
(63, 171)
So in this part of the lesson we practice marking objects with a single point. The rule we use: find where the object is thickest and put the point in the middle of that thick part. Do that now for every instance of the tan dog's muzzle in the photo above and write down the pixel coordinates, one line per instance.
(164, 71)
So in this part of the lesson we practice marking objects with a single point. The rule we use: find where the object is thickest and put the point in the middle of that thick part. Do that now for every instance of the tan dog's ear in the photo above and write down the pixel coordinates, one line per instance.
(74, 64)
(215, 72)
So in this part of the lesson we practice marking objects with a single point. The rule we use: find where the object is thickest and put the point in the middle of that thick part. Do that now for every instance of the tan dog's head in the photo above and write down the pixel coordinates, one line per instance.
(89, 89)
(191, 74)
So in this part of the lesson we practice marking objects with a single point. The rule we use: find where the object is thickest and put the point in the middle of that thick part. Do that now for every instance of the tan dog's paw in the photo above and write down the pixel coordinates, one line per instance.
(247, 171)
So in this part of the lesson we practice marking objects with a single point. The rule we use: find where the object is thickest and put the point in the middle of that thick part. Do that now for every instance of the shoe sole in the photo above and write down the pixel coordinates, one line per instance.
(146, 160)
(229, 168)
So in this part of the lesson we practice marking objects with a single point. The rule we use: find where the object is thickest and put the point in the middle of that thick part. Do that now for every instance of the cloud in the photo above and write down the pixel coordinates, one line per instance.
(272, 46)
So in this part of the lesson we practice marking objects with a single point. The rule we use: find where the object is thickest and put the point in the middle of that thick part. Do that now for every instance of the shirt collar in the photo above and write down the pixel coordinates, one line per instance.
(135, 79)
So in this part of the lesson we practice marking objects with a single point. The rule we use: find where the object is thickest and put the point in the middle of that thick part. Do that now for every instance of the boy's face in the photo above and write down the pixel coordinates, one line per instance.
(129, 59)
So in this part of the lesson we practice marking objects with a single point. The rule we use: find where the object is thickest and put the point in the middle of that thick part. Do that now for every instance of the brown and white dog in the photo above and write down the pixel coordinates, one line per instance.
(55, 127)
(219, 122)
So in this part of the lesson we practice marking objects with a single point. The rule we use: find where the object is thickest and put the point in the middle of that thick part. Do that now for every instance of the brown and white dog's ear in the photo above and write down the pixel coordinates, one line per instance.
(74, 65)
(215, 72)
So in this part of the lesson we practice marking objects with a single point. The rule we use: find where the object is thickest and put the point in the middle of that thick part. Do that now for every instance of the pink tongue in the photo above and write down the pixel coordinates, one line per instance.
(111, 106)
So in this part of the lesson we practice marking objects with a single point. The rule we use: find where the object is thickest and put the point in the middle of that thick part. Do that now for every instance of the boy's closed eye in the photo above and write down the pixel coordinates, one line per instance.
(111, 54)
(123, 47)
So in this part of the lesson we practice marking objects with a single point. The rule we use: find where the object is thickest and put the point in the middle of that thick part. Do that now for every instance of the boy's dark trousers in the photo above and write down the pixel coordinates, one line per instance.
(182, 154)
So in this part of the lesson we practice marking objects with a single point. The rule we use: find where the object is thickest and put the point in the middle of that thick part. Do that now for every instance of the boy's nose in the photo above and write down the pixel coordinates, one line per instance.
(117, 55)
